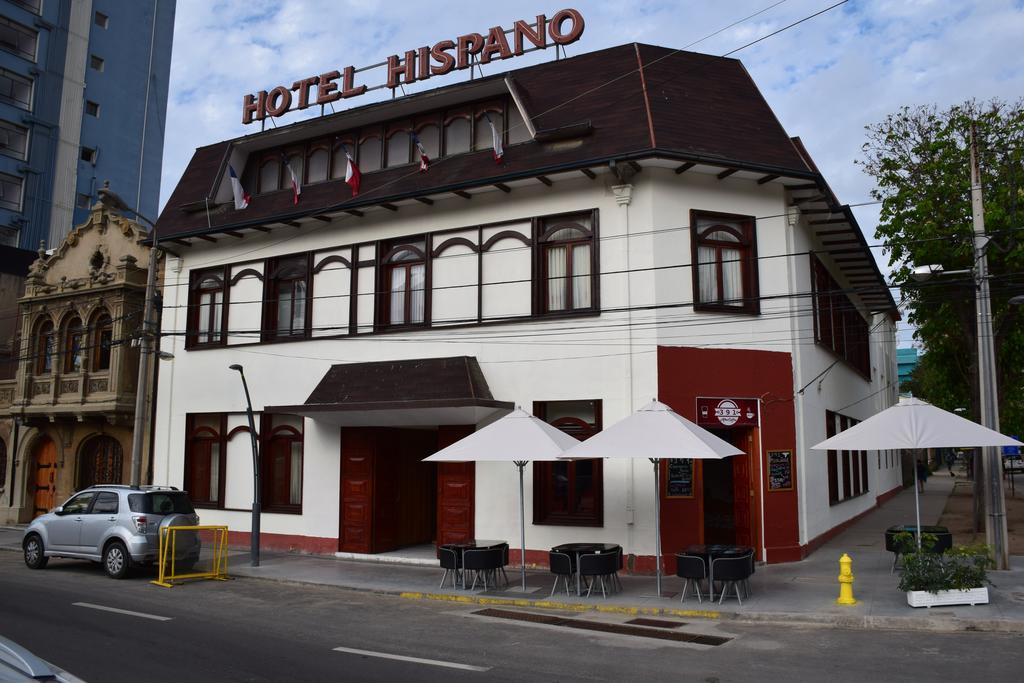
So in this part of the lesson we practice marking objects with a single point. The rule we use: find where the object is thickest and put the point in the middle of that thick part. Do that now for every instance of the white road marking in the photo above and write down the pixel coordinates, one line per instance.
(415, 660)
(154, 617)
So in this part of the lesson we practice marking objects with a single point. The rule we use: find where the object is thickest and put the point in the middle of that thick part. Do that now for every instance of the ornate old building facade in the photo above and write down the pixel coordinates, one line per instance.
(71, 401)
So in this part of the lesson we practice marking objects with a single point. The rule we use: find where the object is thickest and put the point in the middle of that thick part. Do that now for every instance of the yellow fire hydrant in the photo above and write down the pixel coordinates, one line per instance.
(846, 581)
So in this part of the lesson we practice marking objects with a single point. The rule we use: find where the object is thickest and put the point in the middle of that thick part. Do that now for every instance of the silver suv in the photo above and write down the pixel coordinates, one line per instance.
(113, 524)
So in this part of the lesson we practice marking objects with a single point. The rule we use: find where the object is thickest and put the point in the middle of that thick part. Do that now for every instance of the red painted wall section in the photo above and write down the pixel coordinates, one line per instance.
(685, 373)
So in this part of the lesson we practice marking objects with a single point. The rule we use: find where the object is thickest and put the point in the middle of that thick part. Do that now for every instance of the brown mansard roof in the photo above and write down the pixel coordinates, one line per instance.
(700, 110)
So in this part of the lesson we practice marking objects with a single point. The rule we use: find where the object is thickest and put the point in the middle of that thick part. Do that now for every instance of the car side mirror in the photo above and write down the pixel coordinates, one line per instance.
(59, 510)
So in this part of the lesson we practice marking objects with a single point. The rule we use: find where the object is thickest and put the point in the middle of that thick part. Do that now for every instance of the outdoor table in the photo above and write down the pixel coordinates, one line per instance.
(578, 549)
(475, 544)
(713, 552)
(943, 540)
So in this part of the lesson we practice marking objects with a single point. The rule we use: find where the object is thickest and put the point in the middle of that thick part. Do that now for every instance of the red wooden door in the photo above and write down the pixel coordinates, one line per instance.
(456, 491)
(355, 533)
(742, 490)
(46, 476)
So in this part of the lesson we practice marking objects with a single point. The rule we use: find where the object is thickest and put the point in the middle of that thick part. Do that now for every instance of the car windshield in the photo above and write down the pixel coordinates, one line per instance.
(161, 503)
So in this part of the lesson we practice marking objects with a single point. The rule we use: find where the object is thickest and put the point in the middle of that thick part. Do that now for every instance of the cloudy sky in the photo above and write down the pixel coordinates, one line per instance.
(826, 78)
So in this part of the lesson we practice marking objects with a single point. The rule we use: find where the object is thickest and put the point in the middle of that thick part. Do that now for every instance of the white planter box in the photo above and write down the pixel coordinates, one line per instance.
(974, 596)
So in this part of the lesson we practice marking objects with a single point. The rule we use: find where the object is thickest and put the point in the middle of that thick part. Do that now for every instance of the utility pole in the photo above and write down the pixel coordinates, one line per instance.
(995, 502)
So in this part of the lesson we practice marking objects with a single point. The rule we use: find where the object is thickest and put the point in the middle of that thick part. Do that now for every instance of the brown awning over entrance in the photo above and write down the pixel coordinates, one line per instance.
(423, 392)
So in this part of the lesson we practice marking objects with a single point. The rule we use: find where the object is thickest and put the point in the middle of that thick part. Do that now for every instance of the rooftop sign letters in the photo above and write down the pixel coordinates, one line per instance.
(563, 28)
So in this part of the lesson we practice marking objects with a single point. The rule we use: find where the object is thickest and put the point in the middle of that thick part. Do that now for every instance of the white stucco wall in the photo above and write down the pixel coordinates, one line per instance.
(612, 357)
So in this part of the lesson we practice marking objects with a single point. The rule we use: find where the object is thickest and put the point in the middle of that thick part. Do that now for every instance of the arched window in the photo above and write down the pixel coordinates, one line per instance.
(369, 154)
(74, 345)
(204, 453)
(44, 348)
(569, 492)
(296, 162)
(269, 178)
(399, 143)
(405, 282)
(288, 290)
(281, 456)
(457, 135)
(102, 339)
(100, 462)
(725, 276)
(430, 136)
(517, 130)
(339, 160)
(567, 263)
(319, 164)
(206, 307)
(482, 133)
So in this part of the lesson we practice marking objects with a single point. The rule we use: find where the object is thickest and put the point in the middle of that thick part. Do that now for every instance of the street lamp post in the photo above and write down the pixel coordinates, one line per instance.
(112, 201)
(254, 542)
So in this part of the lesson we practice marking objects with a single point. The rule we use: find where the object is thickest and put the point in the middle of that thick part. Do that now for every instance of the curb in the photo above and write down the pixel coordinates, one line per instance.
(866, 622)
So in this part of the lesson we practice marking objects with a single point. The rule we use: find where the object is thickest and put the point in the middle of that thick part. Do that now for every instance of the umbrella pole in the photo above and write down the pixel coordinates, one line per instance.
(522, 524)
(657, 525)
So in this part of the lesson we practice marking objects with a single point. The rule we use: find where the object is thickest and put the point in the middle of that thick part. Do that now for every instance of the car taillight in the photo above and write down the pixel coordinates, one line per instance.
(140, 523)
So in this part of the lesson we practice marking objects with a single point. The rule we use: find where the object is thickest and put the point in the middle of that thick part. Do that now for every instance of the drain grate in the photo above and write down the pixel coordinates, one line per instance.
(656, 623)
(620, 629)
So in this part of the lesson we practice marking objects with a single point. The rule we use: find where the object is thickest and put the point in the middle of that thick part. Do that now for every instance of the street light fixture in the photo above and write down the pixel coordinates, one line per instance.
(114, 203)
(254, 535)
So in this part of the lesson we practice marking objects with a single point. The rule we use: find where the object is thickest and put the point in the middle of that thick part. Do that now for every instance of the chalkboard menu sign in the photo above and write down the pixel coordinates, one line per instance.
(780, 470)
(679, 482)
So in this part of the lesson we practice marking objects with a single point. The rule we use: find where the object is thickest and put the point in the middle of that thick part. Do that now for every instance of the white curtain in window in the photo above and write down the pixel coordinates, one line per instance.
(214, 471)
(556, 278)
(295, 476)
(218, 310)
(299, 316)
(732, 277)
(318, 165)
(397, 306)
(416, 294)
(284, 310)
(581, 276)
(707, 281)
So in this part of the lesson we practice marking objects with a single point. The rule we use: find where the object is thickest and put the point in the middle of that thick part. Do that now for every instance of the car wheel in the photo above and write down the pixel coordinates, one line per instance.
(34, 557)
(116, 561)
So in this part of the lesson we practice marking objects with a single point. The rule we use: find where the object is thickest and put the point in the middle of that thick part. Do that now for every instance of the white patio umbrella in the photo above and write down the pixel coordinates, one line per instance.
(655, 432)
(518, 438)
(913, 423)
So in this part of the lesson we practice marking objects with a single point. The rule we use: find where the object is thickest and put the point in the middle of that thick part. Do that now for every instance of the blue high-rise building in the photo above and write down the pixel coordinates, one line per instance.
(83, 100)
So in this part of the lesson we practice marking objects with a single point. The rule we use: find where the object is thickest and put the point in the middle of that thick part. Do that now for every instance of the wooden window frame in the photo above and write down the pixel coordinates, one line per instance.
(838, 325)
(192, 436)
(45, 346)
(543, 472)
(544, 227)
(195, 293)
(268, 434)
(102, 356)
(312, 148)
(271, 292)
(747, 246)
(73, 333)
(387, 250)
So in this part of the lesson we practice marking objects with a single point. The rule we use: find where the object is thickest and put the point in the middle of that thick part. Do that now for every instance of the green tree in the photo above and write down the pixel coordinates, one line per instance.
(919, 158)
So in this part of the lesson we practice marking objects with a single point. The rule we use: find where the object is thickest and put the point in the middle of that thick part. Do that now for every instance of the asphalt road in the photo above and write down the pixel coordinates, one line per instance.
(257, 630)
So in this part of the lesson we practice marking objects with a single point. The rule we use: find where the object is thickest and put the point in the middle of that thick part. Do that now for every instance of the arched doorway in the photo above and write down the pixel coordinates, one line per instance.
(100, 462)
(45, 457)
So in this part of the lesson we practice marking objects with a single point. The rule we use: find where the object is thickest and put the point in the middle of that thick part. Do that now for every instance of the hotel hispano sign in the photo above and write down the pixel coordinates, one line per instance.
(445, 56)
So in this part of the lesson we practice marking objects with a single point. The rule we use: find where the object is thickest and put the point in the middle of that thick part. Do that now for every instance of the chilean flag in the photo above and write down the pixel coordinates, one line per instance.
(424, 159)
(352, 175)
(241, 196)
(499, 151)
(296, 185)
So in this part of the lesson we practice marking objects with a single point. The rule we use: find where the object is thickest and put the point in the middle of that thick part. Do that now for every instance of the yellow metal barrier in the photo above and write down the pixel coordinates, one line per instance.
(168, 556)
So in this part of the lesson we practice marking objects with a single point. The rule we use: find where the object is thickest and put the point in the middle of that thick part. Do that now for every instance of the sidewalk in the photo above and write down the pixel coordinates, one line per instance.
(796, 593)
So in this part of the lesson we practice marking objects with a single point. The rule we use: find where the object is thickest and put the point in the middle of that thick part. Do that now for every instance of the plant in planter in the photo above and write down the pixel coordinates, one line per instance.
(956, 577)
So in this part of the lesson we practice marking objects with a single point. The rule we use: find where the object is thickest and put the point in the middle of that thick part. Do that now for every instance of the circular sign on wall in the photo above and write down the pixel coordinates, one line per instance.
(727, 412)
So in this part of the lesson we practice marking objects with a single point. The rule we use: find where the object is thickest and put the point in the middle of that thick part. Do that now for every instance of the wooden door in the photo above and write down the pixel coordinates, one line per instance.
(46, 476)
(456, 491)
(355, 534)
(743, 491)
